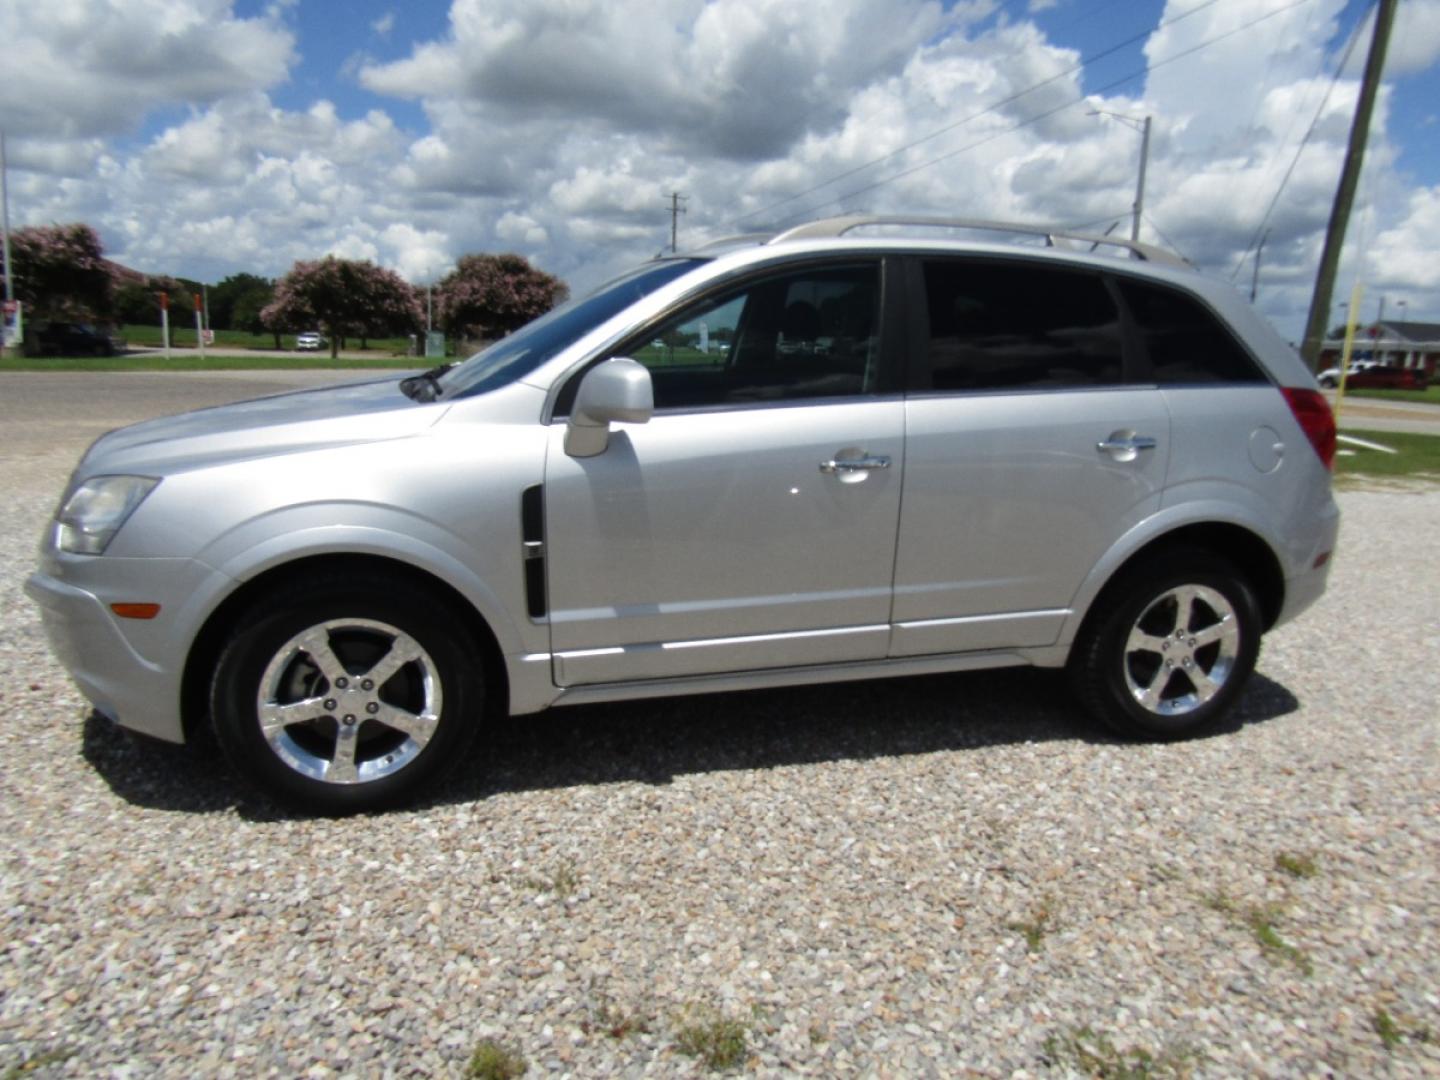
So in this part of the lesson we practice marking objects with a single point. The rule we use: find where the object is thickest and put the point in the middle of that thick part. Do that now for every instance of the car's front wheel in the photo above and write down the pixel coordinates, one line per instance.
(347, 695)
(1169, 646)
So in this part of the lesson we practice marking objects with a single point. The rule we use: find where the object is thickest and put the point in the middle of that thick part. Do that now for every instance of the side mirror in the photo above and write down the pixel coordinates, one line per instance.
(616, 391)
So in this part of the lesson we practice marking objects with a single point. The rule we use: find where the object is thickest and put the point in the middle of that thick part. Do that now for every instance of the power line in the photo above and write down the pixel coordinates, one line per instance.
(1284, 180)
(1086, 62)
(1059, 108)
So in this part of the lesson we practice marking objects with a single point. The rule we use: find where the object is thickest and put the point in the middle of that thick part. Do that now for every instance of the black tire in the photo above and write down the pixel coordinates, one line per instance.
(1328, 383)
(354, 744)
(1118, 664)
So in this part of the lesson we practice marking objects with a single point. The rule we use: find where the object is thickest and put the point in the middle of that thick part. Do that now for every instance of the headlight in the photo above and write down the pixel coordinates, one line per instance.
(95, 511)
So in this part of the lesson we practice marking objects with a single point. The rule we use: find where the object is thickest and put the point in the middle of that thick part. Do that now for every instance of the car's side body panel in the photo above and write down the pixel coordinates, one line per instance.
(1009, 502)
(713, 541)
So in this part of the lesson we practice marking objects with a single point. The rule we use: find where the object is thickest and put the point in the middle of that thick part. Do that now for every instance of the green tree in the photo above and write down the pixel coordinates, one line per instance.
(236, 302)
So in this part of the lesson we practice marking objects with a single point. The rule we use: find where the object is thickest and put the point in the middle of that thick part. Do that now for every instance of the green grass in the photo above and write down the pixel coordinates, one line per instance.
(1093, 1054)
(182, 336)
(1418, 454)
(1429, 396)
(1297, 864)
(1394, 1034)
(212, 362)
(495, 1061)
(1035, 927)
(718, 1042)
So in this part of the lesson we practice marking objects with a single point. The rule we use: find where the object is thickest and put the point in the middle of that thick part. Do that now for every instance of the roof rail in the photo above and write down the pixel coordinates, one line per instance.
(839, 226)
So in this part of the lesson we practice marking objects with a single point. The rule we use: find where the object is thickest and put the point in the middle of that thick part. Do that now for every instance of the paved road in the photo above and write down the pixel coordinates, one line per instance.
(1367, 414)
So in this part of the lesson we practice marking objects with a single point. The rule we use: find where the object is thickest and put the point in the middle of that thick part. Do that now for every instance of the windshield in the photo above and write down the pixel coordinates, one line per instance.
(534, 343)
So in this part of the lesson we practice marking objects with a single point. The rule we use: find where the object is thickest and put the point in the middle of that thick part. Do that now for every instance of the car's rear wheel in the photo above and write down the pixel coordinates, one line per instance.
(1169, 646)
(348, 695)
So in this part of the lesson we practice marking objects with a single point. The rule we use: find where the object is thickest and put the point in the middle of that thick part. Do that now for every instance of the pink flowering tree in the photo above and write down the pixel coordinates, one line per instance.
(488, 296)
(60, 272)
(342, 297)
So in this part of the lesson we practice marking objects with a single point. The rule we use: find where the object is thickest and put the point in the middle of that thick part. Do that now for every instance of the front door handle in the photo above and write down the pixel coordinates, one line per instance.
(865, 464)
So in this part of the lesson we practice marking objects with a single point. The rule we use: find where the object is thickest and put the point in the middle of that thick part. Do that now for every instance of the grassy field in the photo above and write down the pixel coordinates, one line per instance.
(1418, 456)
(1429, 396)
(183, 337)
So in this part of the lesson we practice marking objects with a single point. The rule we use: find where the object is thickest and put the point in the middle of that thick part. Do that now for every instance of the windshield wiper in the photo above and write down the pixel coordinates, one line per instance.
(426, 385)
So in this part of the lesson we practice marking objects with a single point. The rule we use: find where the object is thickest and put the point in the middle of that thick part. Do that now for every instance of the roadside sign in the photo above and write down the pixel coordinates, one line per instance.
(434, 344)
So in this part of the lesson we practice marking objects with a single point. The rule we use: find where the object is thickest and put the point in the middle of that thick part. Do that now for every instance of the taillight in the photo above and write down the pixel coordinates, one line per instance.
(1315, 418)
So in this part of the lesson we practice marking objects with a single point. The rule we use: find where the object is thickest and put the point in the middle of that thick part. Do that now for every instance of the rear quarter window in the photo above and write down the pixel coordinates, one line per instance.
(1183, 341)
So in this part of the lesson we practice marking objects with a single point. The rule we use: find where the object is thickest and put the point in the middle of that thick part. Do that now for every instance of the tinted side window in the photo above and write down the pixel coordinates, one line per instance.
(1185, 343)
(998, 326)
(807, 334)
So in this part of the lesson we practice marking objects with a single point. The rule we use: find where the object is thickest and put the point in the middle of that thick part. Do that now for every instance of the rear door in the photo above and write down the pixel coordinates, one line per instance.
(1028, 452)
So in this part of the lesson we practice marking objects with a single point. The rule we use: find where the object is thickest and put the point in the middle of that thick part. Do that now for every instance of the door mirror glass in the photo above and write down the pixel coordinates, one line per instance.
(617, 391)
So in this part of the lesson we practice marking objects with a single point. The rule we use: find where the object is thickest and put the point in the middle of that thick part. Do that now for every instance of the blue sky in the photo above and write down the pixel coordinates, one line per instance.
(210, 136)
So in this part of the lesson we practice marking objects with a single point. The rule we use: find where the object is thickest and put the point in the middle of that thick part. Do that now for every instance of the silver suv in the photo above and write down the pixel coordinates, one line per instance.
(863, 447)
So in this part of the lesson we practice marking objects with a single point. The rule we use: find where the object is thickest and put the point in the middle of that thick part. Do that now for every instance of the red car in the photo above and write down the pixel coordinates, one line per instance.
(1386, 377)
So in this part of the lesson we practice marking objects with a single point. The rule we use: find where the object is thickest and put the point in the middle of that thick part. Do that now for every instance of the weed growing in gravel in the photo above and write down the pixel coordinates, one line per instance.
(562, 882)
(39, 1061)
(1092, 1054)
(1261, 921)
(717, 1041)
(1393, 1034)
(495, 1061)
(1035, 928)
(614, 1020)
(1296, 864)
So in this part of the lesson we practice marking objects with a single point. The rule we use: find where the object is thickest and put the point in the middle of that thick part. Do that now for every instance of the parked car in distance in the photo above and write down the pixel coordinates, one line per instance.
(309, 341)
(1385, 377)
(891, 460)
(76, 339)
(1330, 377)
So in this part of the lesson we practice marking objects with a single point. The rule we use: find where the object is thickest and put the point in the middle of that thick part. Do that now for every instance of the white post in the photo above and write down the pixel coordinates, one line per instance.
(165, 324)
(200, 325)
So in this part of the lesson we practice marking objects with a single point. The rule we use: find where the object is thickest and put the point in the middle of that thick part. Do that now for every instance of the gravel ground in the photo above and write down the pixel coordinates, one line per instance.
(926, 877)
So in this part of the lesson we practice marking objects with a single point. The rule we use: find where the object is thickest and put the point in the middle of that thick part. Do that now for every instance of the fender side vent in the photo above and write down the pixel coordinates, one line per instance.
(532, 536)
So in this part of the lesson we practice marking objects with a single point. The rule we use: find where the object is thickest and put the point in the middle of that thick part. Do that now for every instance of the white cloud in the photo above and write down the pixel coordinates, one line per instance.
(81, 68)
(383, 25)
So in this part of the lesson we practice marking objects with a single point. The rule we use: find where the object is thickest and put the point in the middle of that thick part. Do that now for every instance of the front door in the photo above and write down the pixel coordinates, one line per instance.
(752, 522)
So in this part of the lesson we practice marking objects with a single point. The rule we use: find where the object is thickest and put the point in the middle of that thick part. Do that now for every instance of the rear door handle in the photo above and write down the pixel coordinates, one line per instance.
(1125, 445)
(864, 464)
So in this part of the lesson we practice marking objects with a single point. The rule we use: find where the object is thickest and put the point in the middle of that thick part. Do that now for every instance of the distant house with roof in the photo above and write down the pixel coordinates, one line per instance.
(1400, 344)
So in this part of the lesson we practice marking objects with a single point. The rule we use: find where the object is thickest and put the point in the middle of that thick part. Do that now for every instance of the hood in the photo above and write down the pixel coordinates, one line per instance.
(265, 427)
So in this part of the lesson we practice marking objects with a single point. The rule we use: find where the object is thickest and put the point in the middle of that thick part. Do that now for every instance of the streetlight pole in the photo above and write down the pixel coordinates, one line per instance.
(1142, 125)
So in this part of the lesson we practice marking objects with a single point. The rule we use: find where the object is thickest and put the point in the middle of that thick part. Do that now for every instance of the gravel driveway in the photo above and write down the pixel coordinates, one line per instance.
(940, 876)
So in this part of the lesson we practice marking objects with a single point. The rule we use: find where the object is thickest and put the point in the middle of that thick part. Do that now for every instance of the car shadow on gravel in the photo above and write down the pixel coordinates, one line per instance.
(652, 742)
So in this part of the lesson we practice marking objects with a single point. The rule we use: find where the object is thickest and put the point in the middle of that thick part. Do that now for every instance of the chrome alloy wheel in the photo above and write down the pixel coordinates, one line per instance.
(349, 701)
(1182, 650)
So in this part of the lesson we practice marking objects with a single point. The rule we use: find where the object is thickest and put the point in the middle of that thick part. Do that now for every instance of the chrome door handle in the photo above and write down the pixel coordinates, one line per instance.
(1117, 444)
(865, 464)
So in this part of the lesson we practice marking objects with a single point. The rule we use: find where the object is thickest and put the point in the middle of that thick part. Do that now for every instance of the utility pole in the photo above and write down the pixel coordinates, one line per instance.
(5, 237)
(675, 211)
(1349, 180)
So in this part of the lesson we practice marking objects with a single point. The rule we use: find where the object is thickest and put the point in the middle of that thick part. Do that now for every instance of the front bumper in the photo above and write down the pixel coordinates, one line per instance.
(130, 670)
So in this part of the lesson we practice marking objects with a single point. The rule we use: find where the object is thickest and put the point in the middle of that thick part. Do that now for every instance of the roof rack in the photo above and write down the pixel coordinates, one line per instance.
(839, 226)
